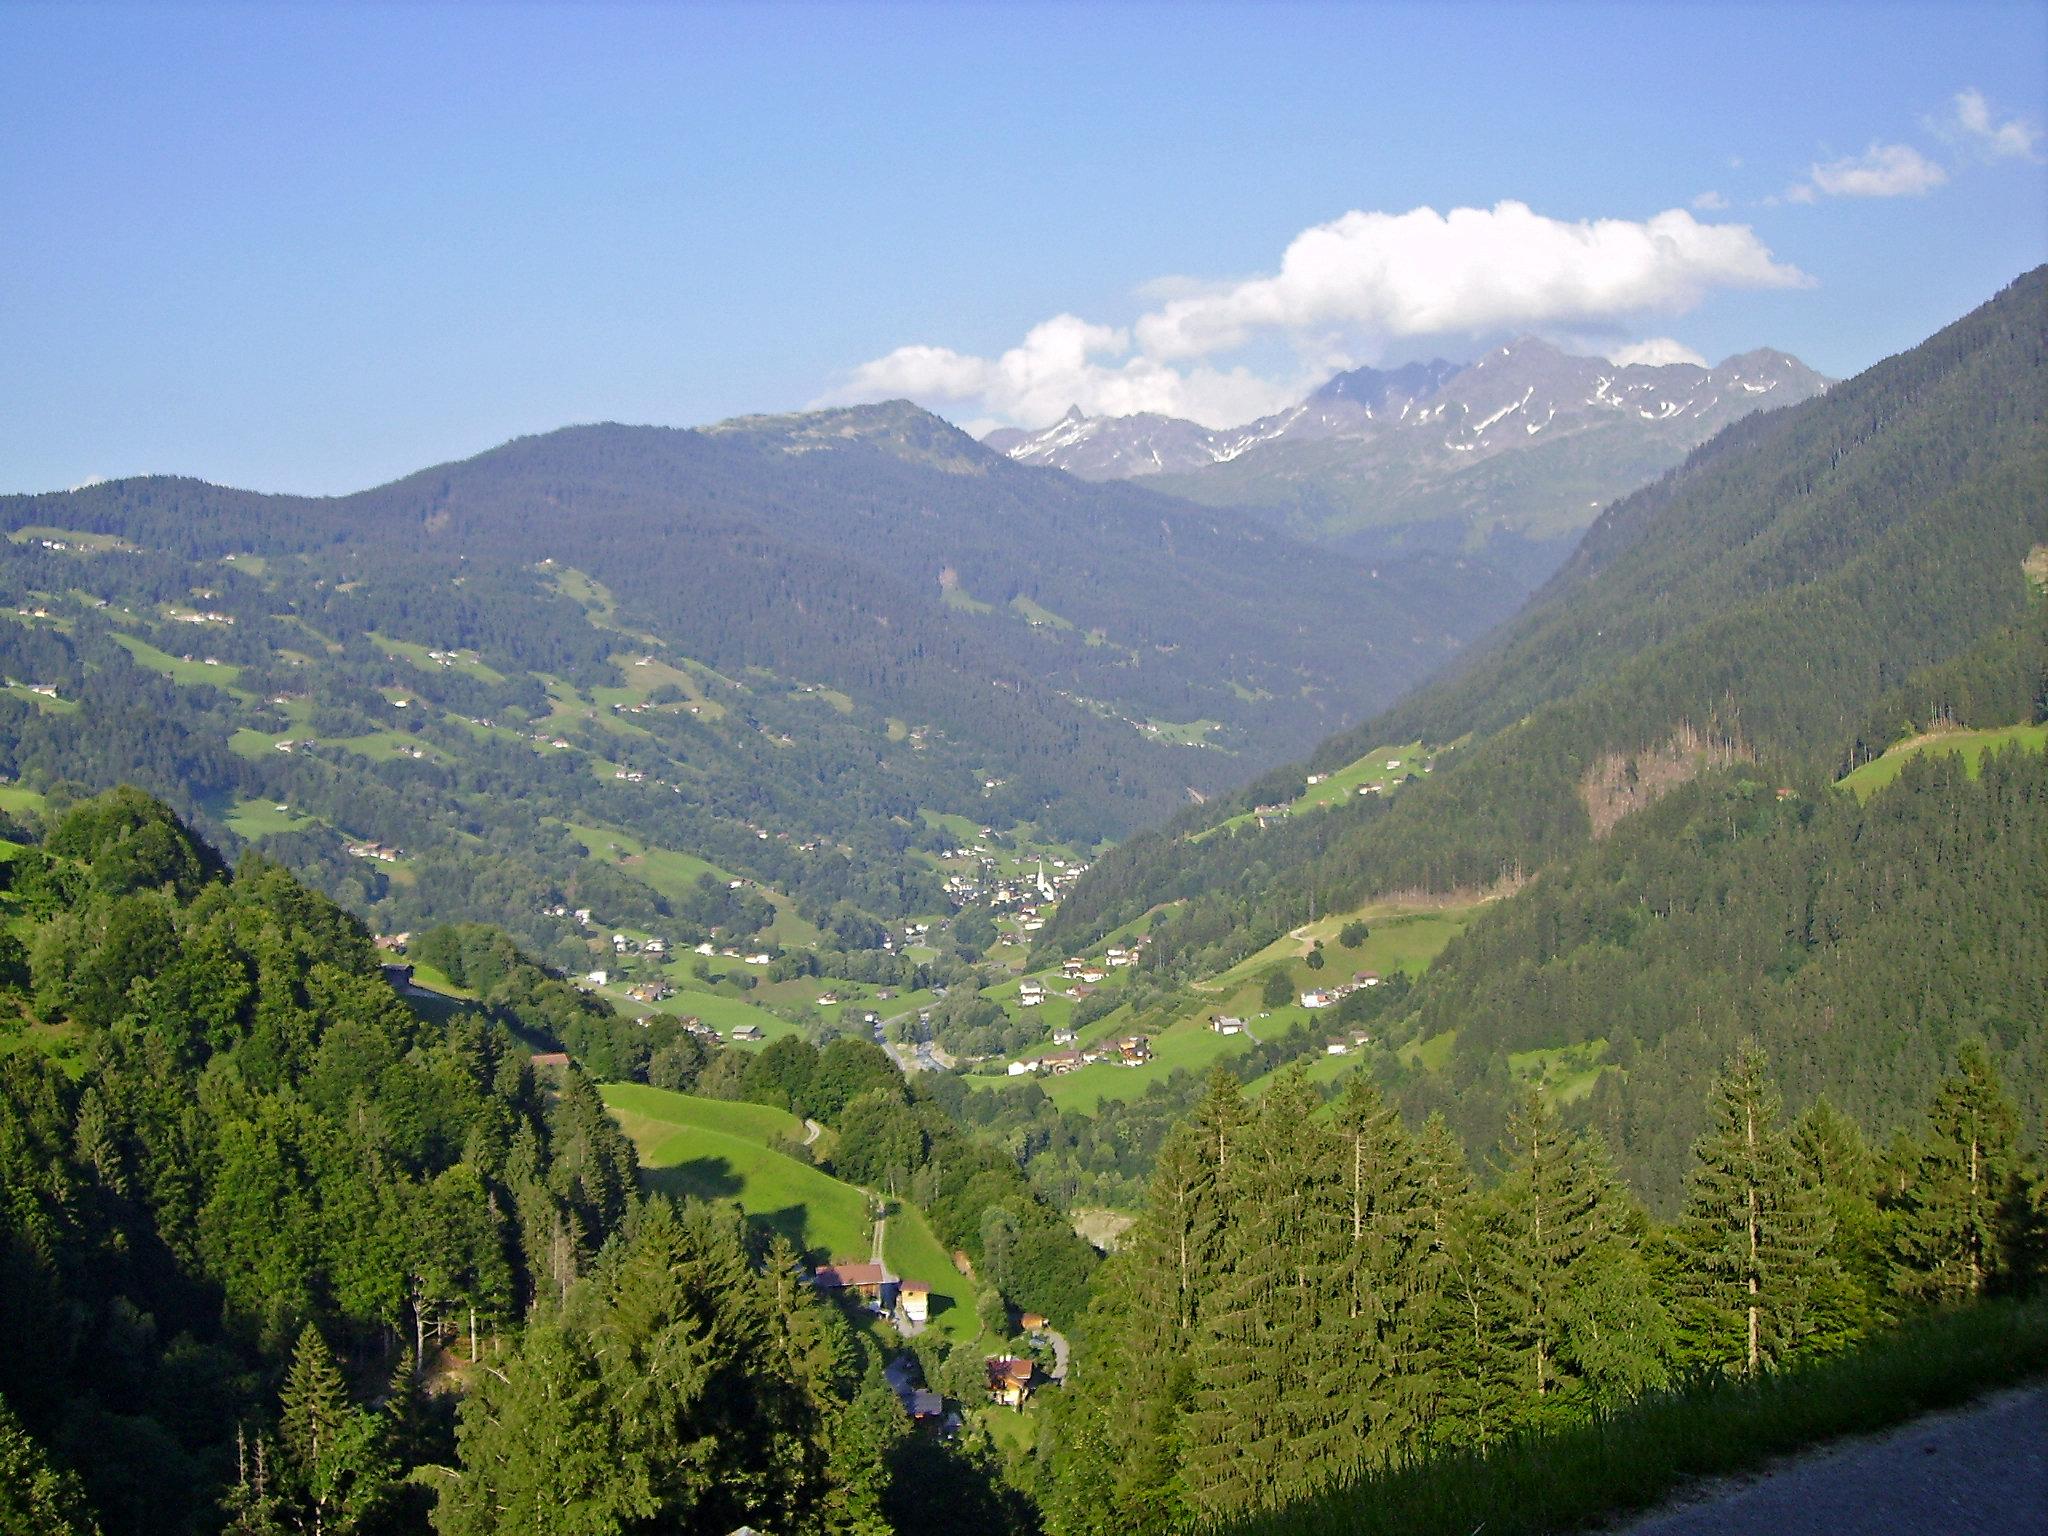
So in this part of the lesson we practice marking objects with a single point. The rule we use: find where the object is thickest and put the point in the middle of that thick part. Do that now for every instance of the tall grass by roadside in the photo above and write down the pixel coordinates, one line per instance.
(1568, 1478)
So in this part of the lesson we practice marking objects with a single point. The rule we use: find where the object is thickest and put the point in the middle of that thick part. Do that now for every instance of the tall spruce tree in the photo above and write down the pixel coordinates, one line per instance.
(1385, 1283)
(1951, 1243)
(1753, 1233)
(1256, 1427)
(339, 1476)
(1572, 1306)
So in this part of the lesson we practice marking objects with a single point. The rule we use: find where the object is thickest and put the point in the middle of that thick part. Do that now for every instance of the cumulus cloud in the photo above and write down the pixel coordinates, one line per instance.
(1883, 170)
(1655, 352)
(2013, 138)
(1341, 289)
(1062, 362)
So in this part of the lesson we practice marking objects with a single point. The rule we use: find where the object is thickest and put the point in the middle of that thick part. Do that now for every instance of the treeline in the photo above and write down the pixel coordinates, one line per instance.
(1306, 1296)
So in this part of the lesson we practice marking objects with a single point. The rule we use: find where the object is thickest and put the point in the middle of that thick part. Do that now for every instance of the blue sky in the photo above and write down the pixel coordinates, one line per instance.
(310, 248)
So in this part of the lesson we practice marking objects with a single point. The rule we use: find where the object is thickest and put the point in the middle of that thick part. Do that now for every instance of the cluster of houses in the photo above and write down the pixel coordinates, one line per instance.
(1331, 996)
(908, 1302)
(207, 617)
(913, 933)
(384, 853)
(755, 957)
(1129, 1051)
(1024, 896)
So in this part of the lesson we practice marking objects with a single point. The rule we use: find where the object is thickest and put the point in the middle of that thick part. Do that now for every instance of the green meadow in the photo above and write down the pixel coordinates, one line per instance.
(1971, 746)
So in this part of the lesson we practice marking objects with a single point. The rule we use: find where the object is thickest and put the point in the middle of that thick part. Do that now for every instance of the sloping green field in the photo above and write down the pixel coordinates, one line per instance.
(1970, 745)
(711, 1150)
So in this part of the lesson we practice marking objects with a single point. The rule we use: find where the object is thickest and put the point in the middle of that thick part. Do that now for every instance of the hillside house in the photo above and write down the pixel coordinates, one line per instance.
(915, 1298)
(1318, 998)
(1134, 1051)
(1021, 1068)
(1224, 1024)
(1064, 1037)
(870, 1282)
(746, 1032)
(1009, 1380)
(1033, 1323)
(1060, 1063)
(1366, 978)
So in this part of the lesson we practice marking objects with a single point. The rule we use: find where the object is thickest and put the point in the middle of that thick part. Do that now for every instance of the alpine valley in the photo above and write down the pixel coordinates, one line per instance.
(819, 975)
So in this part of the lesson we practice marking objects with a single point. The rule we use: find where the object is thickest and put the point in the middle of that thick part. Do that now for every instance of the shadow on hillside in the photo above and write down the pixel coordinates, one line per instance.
(700, 1178)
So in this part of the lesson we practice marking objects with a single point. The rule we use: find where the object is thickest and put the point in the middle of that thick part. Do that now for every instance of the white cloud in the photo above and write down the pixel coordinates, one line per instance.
(1883, 170)
(2015, 137)
(1710, 202)
(1656, 352)
(1341, 288)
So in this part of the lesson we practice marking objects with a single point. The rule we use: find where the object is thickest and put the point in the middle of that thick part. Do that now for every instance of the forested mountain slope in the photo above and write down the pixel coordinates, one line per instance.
(582, 671)
(287, 1246)
(1044, 621)
(1765, 602)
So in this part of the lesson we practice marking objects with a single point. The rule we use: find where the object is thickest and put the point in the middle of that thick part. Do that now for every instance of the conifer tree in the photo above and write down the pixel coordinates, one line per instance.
(1571, 1298)
(1836, 1161)
(1753, 1234)
(864, 1437)
(339, 1476)
(1385, 1282)
(1149, 1304)
(1445, 1382)
(1257, 1424)
(1950, 1244)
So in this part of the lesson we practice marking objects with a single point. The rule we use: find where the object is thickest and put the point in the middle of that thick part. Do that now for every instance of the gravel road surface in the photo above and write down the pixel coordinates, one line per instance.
(1978, 1469)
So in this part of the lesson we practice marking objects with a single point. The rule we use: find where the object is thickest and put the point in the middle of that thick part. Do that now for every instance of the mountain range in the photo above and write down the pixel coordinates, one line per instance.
(1515, 453)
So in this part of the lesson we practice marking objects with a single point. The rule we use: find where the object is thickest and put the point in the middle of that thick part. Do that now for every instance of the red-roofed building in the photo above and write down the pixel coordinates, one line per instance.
(873, 1283)
(1009, 1380)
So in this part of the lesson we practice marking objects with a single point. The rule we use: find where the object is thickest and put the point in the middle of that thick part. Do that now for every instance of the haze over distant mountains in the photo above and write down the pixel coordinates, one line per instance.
(1515, 453)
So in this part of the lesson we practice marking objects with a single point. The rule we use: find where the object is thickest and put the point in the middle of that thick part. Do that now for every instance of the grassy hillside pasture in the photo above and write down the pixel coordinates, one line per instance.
(653, 1118)
(913, 1253)
(184, 673)
(649, 1114)
(16, 800)
(1344, 783)
(1970, 745)
(821, 1216)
